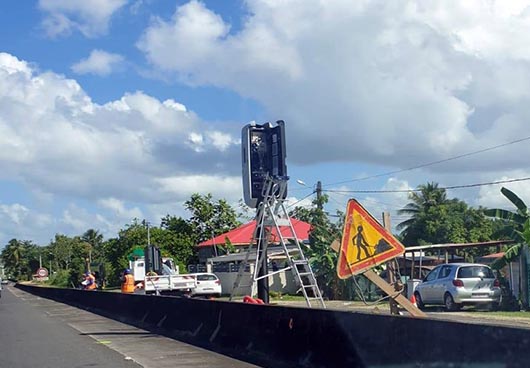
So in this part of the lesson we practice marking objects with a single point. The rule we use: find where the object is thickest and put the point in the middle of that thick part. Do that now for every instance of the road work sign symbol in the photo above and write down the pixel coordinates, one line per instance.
(365, 243)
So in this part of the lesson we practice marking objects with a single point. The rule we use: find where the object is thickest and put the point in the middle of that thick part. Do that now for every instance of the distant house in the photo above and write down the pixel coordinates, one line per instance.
(490, 258)
(214, 258)
(242, 236)
(442, 253)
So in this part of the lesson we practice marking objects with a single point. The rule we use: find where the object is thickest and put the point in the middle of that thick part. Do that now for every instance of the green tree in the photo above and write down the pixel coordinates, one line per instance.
(12, 256)
(117, 250)
(322, 258)
(95, 240)
(435, 219)
(71, 256)
(426, 197)
(210, 218)
(181, 239)
(20, 258)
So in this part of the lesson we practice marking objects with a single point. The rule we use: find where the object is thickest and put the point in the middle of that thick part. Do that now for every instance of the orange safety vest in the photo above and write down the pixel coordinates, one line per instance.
(128, 284)
(91, 282)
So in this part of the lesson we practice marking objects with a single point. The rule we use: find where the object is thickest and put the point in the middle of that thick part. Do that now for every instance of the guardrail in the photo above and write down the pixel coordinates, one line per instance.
(278, 336)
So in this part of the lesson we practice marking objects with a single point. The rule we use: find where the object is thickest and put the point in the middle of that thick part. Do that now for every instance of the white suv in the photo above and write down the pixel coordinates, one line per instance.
(208, 284)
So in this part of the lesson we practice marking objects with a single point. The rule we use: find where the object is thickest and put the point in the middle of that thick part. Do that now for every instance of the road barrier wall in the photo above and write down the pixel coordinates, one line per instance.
(279, 336)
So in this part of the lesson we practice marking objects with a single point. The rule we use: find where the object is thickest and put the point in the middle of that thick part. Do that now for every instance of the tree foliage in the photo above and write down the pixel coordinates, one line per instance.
(20, 258)
(514, 225)
(69, 257)
(435, 219)
(323, 232)
(209, 218)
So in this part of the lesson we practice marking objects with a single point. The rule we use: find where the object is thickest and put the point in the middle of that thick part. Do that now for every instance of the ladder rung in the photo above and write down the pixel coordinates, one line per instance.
(309, 285)
(305, 273)
(300, 262)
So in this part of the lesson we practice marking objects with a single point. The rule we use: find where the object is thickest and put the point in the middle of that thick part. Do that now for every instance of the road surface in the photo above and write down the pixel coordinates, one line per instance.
(37, 332)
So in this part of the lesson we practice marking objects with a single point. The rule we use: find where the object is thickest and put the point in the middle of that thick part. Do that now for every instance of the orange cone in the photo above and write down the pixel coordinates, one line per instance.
(413, 300)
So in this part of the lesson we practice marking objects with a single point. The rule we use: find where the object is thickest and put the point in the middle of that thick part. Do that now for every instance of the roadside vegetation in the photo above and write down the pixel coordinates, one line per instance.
(433, 218)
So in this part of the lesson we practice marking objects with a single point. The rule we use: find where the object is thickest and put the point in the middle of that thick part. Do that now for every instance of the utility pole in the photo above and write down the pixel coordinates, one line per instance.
(146, 224)
(391, 268)
(319, 195)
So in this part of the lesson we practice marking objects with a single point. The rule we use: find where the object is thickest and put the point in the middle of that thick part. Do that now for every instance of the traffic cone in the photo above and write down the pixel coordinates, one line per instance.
(413, 300)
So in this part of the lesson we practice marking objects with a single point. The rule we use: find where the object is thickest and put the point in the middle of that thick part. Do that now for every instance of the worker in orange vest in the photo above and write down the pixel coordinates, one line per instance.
(127, 285)
(90, 282)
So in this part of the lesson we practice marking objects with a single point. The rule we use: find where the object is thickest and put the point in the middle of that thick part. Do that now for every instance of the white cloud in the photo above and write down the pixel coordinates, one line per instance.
(491, 196)
(16, 212)
(90, 17)
(185, 186)
(58, 142)
(75, 220)
(118, 208)
(21, 222)
(99, 62)
(391, 83)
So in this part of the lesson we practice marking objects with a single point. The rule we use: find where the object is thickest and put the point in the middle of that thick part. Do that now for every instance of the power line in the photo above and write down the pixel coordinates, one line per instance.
(300, 200)
(418, 190)
(430, 163)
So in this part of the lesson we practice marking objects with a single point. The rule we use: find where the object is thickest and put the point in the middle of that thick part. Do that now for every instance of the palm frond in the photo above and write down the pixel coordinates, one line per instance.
(505, 215)
(518, 202)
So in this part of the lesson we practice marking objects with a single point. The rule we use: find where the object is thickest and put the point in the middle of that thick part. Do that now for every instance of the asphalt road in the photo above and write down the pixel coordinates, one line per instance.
(37, 332)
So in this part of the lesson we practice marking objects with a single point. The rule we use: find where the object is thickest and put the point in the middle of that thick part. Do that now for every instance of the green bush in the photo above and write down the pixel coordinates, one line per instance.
(60, 279)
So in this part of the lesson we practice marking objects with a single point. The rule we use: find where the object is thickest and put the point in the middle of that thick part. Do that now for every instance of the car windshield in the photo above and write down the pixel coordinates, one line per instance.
(206, 277)
(475, 271)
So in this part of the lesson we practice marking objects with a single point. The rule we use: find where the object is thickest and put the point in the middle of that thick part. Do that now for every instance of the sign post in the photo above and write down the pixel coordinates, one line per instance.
(366, 244)
(391, 267)
(42, 274)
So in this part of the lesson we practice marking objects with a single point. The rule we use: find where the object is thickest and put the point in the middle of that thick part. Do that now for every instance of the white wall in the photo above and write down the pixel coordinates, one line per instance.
(282, 282)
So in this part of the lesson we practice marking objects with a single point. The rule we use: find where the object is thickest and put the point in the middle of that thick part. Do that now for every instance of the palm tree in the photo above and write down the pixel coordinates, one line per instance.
(94, 239)
(425, 197)
(12, 256)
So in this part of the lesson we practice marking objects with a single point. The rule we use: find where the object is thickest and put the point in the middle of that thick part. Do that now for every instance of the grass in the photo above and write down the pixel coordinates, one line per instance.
(287, 297)
(516, 314)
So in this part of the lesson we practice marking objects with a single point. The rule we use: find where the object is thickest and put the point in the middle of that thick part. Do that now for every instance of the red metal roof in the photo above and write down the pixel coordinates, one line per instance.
(493, 255)
(243, 234)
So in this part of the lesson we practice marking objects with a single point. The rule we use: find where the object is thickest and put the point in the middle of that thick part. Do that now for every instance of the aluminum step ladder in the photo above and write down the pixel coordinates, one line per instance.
(272, 214)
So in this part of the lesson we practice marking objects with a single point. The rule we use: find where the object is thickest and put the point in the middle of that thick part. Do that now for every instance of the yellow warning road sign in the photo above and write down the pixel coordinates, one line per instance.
(365, 243)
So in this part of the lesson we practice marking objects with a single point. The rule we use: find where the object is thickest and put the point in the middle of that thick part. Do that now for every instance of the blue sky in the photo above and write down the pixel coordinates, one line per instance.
(111, 110)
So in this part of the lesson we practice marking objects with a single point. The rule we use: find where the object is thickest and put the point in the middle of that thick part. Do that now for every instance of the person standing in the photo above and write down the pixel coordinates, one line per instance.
(127, 285)
(90, 282)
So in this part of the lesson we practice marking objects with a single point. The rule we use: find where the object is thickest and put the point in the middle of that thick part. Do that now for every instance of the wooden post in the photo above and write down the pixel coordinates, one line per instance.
(404, 302)
(391, 268)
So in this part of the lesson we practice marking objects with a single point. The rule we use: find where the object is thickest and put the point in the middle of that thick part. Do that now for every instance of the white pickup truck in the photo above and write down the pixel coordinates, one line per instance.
(168, 282)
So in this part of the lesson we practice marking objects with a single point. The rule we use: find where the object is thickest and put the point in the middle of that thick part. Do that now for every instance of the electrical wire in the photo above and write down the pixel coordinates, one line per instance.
(430, 163)
(300, 200)
(419, 190)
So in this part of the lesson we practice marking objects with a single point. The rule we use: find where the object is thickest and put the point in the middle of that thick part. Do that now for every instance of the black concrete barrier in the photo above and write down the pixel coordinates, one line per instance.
(278, 336)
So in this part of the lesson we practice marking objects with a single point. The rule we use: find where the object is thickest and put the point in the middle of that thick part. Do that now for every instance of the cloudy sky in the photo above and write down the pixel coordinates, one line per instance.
(118, 109)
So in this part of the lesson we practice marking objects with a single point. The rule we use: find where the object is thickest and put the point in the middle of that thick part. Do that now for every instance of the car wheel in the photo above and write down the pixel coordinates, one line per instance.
(419, 300)
(450, 304)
